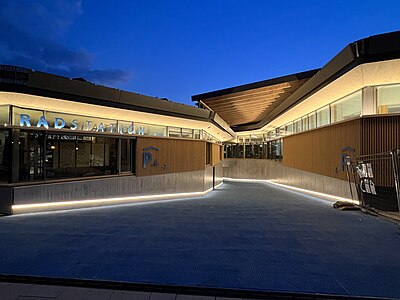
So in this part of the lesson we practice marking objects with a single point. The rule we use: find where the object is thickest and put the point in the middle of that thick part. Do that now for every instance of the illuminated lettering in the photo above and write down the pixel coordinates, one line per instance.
(74, 123)
(88, 125)
(24, 120)
(59, 123)
(42, 122)
(100, 128)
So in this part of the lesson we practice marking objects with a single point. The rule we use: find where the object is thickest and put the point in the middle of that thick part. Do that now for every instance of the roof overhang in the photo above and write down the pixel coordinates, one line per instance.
(382, 47)
(38, 90)
(250, 103)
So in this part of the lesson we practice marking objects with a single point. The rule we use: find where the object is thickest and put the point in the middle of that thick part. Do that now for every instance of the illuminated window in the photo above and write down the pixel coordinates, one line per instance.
(289, 129)
(323, 116)
(304, 123)
(312, 120)
(4, 115)
(389, 99)
(346, 108)
(297, 126)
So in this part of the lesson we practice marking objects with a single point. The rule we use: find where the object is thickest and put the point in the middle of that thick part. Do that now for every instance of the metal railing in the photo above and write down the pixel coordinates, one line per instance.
(375, 178)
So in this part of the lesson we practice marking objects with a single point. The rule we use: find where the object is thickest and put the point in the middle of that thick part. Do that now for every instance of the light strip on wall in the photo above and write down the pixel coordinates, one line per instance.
(309, 192)
(18, 207)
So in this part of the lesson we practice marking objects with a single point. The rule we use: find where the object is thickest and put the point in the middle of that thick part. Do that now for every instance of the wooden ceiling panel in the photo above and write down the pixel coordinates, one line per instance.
(251, 105)
(269, 89)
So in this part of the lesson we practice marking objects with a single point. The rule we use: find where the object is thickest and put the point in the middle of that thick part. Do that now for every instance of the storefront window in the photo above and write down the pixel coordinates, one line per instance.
(5, 155)
(31, 152)
(69, 156)
(274, 150)
(389, 99)
(126, 164)
(346, 108)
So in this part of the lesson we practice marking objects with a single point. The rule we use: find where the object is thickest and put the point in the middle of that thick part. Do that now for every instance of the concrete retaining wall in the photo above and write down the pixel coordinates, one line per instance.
(113, 187)
(271, 170)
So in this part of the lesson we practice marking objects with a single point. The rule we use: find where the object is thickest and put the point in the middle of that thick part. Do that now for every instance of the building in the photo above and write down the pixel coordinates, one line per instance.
(69, 143)
(304, 126)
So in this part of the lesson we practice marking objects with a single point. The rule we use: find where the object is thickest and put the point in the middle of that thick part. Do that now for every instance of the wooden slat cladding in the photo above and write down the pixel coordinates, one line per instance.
(215, 154)
(380, 134)
(251, 105)
(320, 150)
(172, 156)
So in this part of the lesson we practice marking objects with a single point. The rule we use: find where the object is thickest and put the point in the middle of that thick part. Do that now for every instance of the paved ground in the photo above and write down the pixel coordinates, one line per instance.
(244, 235)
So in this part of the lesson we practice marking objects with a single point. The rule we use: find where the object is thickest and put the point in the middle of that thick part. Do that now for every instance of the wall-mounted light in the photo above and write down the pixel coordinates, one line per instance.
(34, 207)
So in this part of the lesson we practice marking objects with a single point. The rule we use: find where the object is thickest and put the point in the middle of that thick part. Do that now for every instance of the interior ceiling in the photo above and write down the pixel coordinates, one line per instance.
(252, 105)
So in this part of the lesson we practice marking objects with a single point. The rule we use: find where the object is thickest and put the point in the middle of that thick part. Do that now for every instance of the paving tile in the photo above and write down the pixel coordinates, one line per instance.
(13, 290)
(130, 295)
(38, 290)
(244, 235)
(162, 296)
(75, 293)
(192, 297)
(98, 294)
(3, 285)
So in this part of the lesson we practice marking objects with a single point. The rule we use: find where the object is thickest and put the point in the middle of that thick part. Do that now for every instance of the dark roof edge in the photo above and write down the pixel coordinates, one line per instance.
(371, 49)
(254, 85)
(23, 80)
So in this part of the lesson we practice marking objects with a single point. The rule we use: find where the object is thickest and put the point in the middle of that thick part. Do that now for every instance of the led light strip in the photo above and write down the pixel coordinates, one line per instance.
(305, 191)
(110, 200)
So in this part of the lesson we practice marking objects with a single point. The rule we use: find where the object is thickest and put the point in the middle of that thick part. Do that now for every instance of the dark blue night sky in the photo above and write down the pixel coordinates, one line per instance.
(175, 49)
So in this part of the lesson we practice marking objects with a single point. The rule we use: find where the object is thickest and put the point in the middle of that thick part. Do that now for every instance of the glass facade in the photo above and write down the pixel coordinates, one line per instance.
(40, 146)
(30, 118)
(388, 99)
(70, 156)
(346, 108)
(271, 144)
(312, 120)
(323, 116)
(30, 149)
(126, 155)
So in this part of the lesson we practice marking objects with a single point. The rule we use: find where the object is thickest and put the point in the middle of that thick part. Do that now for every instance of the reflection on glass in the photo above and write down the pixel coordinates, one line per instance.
(69, 156)
(304, 123)
(5, 155)
(30, 156)
(346, 108)
(389, 99)
(4, 115)
(323, 116)
(125, 155)
(312, 120)
(34, 116)
(297, 126)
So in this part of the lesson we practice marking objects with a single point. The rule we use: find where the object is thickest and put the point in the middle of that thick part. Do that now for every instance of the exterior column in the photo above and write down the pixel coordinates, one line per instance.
(368, 101)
